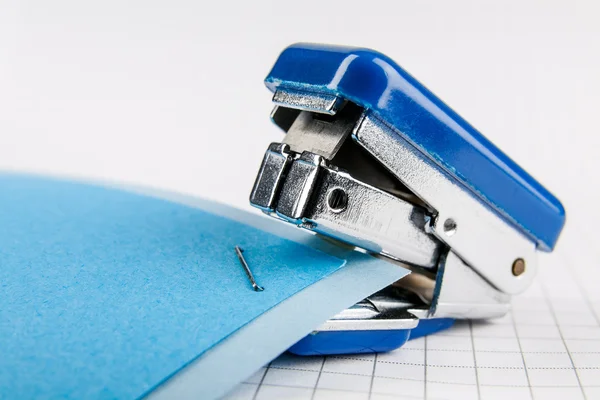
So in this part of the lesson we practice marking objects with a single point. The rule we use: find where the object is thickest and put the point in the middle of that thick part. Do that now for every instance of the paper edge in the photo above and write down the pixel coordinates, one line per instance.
(227, 364)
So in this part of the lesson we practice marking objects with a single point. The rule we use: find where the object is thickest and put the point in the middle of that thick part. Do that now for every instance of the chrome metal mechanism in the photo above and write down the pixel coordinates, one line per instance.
(324, 104)
(381, 311)
(465, 294)
(321, 134)
(370, 219)
(343, 173)
(474, 232)
(331, 202)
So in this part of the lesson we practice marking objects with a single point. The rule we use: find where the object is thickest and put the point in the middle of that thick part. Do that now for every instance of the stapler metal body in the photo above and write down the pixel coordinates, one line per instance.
(373, 159)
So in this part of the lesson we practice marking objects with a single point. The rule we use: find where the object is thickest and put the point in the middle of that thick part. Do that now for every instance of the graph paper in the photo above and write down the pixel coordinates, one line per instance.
(548, 347)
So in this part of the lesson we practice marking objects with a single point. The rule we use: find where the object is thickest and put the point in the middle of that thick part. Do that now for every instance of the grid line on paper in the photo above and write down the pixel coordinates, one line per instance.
(515, 352)
(474, 359)
(547, 347)
(512, 318)
(425, 371)
(318, 378)
(458, 384)
(448, 366)
(262, 378)
(545, 291)
(372, 377)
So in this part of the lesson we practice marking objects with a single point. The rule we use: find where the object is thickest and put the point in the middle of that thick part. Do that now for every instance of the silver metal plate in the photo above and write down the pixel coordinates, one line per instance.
(308, 193)
(270, 176)
(316, 102)
(371, 219)
(473, 231)
(370, 315)
(298, 187)
(310, 132)
(462, 293)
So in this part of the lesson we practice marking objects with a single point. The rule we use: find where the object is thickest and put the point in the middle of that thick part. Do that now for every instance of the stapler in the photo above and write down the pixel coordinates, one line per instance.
(372, 159)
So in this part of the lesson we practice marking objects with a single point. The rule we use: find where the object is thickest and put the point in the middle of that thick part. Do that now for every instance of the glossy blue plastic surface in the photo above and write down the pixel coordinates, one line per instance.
(430, 326)
(360, 342)
(350, 342)
(375, 82)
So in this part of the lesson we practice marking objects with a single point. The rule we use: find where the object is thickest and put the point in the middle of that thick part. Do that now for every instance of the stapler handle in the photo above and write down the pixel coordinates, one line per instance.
(375, 82)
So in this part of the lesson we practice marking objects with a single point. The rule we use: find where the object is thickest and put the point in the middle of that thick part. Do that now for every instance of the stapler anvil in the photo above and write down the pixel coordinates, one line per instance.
(374, 160)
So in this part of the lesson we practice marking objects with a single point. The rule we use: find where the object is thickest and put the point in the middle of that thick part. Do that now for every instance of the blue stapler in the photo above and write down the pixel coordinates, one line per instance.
(374, 160)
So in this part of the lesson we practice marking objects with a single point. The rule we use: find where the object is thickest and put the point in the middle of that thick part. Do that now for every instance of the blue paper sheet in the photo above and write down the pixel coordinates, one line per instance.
(105, 293)
(221, 368)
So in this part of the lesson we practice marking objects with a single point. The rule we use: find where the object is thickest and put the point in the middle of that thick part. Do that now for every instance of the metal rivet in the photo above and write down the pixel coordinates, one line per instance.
(337, 200)
(518, 267)
(450, 227)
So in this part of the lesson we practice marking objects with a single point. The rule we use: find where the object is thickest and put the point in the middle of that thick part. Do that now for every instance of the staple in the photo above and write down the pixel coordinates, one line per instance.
(239, 251)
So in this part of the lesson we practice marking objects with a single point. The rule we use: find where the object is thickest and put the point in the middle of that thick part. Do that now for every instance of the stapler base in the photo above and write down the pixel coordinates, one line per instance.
(363, 342)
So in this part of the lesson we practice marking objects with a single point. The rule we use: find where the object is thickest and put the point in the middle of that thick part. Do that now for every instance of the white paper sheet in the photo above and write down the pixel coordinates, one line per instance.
(548, 347)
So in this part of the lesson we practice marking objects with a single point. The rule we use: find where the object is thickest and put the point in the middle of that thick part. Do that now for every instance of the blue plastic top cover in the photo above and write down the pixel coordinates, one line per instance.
(375, 82)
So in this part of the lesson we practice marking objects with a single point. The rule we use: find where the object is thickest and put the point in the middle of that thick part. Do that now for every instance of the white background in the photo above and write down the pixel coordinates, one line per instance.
(170, 94)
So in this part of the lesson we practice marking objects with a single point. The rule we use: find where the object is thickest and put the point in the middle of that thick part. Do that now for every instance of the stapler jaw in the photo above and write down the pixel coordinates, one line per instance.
(323, 178)
(374, 160)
